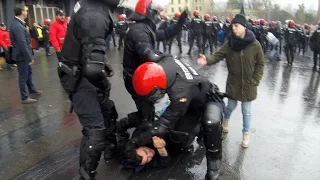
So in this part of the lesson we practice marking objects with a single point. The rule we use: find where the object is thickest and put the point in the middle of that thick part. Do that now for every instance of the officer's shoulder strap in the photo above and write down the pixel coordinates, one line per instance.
(154, 37)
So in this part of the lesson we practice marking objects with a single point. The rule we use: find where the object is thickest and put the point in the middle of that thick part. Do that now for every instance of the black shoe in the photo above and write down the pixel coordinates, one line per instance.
(122, 127)
(48, 54)
(111, 151)
(213, 167)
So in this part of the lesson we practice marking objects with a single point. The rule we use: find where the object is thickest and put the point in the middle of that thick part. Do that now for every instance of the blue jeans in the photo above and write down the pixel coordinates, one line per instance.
(246, 113)
(25, 78)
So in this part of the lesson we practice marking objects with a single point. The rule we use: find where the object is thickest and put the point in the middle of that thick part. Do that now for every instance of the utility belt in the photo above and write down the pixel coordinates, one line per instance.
(69, 75)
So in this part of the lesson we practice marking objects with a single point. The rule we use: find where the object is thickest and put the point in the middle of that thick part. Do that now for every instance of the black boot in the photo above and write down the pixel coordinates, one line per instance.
(123, 135)
(111, 150)
(213, 169)
(189, 52)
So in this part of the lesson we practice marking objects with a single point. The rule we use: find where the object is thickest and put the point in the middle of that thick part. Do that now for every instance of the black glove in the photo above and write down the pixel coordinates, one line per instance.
(183, 17)
(109, 70)
(160, 128)
(215, 95)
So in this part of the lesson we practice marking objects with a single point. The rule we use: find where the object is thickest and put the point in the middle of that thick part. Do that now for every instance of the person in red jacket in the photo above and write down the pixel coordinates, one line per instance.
(5, 43)
(58, 31)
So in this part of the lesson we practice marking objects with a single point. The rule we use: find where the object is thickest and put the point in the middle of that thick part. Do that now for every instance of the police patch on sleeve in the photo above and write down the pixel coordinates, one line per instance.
(77, 7)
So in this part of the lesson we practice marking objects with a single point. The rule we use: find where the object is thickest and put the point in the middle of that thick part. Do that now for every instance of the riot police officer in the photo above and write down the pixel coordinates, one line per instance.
(217, 30)
(121, 29)
(291, 36)
(191, 95)
(140, 47)
(196, 30)
(83, 74)
(226, 27)
(163, 24)
(174, 21)
(208, 33)
(315, 46)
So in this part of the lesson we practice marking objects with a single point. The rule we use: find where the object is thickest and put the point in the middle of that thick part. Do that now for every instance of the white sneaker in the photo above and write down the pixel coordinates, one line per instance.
(225, 125)
(245, 140)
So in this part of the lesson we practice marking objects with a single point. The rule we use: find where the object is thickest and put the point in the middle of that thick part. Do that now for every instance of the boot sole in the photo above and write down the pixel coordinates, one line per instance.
(244, 146)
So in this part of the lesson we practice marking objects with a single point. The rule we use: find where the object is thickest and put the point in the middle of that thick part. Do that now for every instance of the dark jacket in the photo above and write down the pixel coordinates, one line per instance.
(20, 40)
(315, 41)
(139, 43)
(245, 70)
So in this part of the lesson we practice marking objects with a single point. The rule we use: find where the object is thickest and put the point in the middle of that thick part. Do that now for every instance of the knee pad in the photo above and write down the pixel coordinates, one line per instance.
(92, 145)
(212, 117)
(95, 142)
(212, 129)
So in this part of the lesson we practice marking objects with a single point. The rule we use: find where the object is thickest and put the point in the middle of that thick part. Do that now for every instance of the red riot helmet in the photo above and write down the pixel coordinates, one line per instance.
(196, 13)
(291, 23)
(206, 17)
(299, 26)
(150, 81)
(263, 22)
(177, 15)
(227, 19)
(149, 9)
(215, 18)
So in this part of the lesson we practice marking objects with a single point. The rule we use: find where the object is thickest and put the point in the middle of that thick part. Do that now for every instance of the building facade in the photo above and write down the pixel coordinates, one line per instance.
(203, 6)
(38, 9)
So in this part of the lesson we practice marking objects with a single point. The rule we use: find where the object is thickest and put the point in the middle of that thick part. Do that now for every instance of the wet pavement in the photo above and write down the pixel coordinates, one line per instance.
(41, 140)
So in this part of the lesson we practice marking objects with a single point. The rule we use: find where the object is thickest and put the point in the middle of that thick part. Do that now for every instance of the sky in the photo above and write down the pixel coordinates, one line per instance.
(284, 3)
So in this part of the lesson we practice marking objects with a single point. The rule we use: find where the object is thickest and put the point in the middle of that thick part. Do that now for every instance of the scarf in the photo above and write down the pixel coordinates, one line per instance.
(239, 44)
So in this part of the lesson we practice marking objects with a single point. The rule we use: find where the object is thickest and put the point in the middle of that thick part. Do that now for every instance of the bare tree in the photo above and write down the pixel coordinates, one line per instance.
(300, 14)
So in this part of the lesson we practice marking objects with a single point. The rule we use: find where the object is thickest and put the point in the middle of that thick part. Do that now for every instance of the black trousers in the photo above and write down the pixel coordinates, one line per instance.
(207, 37)
(315, 59)
(198, 38)
(121, 38)
(178, 38)
(289, 50)
(97, 117)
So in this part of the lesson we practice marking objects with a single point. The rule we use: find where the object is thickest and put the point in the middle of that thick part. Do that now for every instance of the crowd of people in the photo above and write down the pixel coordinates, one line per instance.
(196, 107)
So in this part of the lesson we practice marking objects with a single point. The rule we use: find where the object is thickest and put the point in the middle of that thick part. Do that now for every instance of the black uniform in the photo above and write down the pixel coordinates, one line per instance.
(315, 46)
(139, 48)
(121, 29)
(291, 36)
(226, 29)
(188, 93)
(82, 71)
(163, 25)
(301, 41)
(46, 44)
(307, 38)
(208, 33)
(177, 37)
(217, 30)
(196, 29)
(262, 33)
